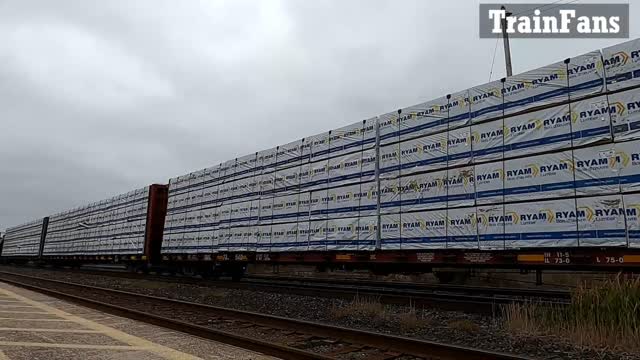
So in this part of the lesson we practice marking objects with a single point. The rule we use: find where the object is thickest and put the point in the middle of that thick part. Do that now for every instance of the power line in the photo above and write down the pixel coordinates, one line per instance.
(541, 8)
(531, 10)
(495, 50)
(557, 6)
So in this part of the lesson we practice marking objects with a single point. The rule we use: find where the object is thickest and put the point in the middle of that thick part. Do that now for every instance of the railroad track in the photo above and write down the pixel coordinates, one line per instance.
(412, 286)
(273, 335)
(447, 297)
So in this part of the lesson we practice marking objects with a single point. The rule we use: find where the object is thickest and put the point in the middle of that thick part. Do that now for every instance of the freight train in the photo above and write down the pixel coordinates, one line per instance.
(537, 170)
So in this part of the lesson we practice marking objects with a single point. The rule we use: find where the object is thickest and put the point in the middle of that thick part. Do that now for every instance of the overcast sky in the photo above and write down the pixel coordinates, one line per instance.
(102, 97)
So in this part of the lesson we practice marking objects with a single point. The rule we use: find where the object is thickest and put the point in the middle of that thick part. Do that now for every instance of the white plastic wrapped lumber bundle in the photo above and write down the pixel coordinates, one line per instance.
(628, 156)
(538, 177)
(265, 214)
(319, 146)
(343, 201)
(302, 237)
(459, 150)
(487, 141)
(537, 131)
(601, 221)
(461, 190)
(458, 109)
(390, 196)
(591, 122)
(597, 169)
(622, 65)
(304, 206)
(347, 139)
(194, 217)
(425, 118)
(368, 161)
(534, 88)
(240, 213)
(389, 129)
(342, 234)
(207, 229)
(189, 227)
(367, 232)
(632, 217)
(424, 153)
(318, 176)
(550, 223)
(266, 182)
(234, 240)
(489, 183)
(462, 230)
(345, 169)
(267, 160)
(491, 225)
(318, 204)
(586, 74)
(285, 208)
(486, 101)
(624, 108)
(286, 181)
(288, 154)
(245, 167)
(317, 238)
(390, 232)
(367, 198)
(225, 191)
(264, 238)
(608, 168)
(424, 230)
(390, 161)
(424, 191)
(283, 237)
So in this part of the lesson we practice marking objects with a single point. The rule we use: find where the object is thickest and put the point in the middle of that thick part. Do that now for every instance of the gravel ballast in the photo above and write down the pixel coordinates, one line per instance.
(451, 327)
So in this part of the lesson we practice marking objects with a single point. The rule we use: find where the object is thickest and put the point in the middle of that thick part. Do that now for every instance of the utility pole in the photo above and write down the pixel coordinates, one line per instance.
(505, 37)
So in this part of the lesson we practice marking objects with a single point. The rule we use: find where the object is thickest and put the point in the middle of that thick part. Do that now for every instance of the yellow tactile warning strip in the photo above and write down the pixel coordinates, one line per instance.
(76, 346)
(12, 306)
(23, 312)
(28, 319)
(73, 331)
(87, 327)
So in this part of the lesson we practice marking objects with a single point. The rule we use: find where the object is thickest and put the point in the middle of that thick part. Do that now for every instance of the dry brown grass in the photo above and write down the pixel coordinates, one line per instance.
(465, 325)
(360, 307)
(366, 308)
(606, 316)
(412, 320)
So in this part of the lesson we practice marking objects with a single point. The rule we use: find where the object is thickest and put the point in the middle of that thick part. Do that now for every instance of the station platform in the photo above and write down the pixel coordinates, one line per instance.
(35, 326)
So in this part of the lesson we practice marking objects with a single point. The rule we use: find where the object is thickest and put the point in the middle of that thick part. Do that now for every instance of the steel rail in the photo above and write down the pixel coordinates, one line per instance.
(399, 344)
(400, 294)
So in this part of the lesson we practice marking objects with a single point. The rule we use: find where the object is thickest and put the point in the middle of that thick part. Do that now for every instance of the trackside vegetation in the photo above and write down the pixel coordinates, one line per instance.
(605, 316)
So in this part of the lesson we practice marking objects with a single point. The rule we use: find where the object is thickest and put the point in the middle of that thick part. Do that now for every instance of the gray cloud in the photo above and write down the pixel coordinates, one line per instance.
(100, 98)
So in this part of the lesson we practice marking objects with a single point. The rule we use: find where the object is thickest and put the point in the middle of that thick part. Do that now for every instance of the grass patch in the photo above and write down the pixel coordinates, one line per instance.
(411, 319)
(359, 307)
(606, 315)
(370, 309)
(465, 325)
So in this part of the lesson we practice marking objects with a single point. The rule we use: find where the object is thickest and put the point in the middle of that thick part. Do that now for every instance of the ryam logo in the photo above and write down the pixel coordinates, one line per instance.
(578, 69)
(561, 21)
(619, 59)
